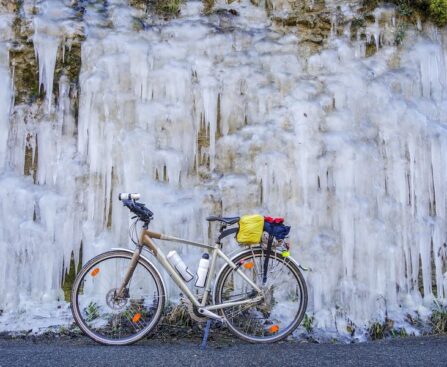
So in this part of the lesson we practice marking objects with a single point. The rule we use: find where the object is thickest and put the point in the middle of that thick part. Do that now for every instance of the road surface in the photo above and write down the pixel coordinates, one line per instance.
(80, 351)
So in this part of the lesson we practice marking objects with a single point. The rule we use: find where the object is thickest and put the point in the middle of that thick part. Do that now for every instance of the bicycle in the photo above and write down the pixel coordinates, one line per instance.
(118, 297)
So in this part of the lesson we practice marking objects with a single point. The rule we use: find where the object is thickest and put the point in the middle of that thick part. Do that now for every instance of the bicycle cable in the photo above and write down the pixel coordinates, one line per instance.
(133, 232)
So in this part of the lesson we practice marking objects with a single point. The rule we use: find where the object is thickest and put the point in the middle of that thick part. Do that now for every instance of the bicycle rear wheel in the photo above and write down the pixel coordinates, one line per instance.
(284, 303)
(113, 320)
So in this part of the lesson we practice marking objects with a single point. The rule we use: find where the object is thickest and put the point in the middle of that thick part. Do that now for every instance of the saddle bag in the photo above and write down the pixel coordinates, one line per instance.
(250, 229)
(275, 228)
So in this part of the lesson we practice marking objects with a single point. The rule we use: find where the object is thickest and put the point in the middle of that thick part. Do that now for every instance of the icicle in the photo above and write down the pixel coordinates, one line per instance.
(334, 24)
(5, 102)
(419, 23)
(210, 113)
(46, 47)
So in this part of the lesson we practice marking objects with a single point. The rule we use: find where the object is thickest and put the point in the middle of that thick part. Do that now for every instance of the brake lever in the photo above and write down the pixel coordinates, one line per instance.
(135, 216)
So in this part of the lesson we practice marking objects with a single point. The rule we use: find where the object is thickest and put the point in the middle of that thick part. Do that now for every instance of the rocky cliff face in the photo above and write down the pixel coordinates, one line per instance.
(331, 114)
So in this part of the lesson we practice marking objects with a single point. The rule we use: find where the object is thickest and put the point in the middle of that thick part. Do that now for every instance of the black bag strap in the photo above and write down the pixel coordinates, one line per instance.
(267, 258)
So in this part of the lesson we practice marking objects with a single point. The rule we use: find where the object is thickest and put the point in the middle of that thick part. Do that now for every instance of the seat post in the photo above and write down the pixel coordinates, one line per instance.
(223, 226)
(224, 223)
(226, 232)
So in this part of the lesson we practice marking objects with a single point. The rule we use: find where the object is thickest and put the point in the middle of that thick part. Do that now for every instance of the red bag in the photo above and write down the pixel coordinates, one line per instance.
(274, 220)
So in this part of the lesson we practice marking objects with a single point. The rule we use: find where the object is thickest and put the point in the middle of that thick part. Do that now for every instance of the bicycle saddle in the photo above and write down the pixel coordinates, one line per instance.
(226, 220)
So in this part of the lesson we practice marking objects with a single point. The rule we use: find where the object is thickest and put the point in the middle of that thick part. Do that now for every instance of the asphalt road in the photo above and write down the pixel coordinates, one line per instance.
(64, 351)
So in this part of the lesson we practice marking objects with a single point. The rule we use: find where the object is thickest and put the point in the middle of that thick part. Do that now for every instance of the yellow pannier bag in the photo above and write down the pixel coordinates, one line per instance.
(250, 229)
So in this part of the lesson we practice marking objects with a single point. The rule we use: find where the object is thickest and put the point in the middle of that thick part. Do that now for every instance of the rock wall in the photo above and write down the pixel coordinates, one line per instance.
(327, 113)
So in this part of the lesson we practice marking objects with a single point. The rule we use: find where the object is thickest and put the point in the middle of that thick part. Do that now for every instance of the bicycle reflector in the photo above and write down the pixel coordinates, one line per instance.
(136, 317)
(95, 272)
(274, 329)
(248, 265)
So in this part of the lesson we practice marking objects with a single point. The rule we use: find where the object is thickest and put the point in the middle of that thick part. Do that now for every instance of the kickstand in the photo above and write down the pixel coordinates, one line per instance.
(205, 334)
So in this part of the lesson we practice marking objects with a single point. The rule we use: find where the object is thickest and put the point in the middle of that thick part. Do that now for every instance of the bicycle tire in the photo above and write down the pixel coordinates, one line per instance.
(292, 266)
(86, 269)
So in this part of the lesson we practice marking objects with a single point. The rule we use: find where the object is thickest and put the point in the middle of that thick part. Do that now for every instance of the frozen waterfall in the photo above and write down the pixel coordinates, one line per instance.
(224, 114)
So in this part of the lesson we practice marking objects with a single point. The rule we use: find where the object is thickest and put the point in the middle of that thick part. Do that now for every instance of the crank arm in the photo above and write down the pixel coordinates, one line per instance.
(211, 315)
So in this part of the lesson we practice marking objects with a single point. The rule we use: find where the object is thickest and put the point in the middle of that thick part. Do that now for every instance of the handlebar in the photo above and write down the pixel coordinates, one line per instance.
(139, 209)
(128, 196)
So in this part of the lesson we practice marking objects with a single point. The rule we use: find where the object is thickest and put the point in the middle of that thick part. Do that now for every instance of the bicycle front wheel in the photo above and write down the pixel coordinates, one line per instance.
(113, 320)
(284, 301)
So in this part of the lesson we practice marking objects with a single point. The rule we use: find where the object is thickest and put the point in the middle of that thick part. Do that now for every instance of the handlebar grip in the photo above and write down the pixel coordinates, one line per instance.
(128, 196)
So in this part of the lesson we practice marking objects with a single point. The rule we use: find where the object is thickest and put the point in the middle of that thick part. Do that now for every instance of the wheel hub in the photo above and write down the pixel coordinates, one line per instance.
(114, 302)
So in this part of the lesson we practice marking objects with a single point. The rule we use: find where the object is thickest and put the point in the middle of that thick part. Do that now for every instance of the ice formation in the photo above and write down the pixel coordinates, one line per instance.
(223, 115)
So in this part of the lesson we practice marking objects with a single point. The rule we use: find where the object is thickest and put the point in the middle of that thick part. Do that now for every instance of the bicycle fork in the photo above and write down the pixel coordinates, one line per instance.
(129, 273)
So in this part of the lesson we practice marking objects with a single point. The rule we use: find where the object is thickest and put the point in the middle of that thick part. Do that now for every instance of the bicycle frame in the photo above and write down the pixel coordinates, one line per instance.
(146, 240)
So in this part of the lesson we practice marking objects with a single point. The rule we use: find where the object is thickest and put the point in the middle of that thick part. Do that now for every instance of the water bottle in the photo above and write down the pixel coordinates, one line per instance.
(202, 271)
(176, 261)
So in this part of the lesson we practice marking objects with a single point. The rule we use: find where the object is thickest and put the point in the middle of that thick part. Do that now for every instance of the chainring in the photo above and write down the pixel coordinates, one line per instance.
(193, 312)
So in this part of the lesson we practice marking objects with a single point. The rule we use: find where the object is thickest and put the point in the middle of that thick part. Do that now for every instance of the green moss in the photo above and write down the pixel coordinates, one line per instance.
(371, 48)
(438, 12)
(434, 10)
(140, 4)
(73, 62)
(26, 82)
(69, 66)
(400, 33)
(308, 323)
(404, 9)
(92, 311)
(379, 330)
(401, 332)
(168, 7)
(357, 23)
(138, 24)
(70, 275)
(208, 6)
(376, 331)
(23, 62)
(438, 319)
(370, 4)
